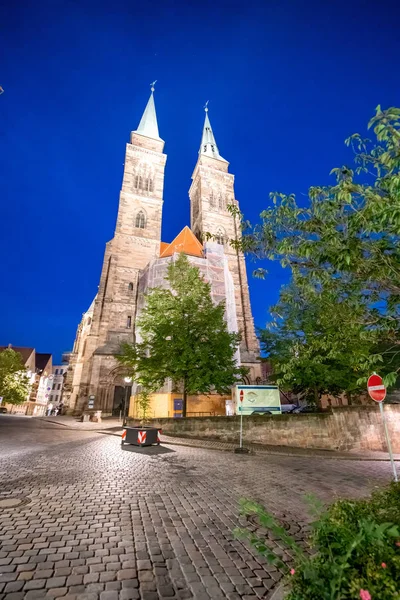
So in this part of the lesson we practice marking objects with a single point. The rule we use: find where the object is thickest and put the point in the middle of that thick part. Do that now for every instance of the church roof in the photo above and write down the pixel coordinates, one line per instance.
(148, 125)
(185, 242)
(208, 145)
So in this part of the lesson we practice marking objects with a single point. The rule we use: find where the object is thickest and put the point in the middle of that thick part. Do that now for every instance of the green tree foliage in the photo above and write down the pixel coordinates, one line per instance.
(342, 246)
(318, 344)
(184, 337)
(14, 382)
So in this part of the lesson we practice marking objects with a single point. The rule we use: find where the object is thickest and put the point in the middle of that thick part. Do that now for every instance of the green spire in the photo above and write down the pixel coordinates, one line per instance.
(148, 123)
(208, 144)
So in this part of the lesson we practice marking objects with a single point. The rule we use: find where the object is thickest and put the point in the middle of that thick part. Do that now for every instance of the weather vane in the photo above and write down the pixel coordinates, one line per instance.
(206, 106)
(152, 85)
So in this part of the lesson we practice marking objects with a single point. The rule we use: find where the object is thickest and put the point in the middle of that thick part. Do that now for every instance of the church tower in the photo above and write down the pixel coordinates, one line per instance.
(211, 192)
(136, 242)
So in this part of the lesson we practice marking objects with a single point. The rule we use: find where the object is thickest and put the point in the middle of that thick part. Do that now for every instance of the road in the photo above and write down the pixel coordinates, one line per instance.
(105, 523)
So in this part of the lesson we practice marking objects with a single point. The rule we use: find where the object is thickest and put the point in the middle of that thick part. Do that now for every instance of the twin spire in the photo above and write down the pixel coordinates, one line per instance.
(148, 127)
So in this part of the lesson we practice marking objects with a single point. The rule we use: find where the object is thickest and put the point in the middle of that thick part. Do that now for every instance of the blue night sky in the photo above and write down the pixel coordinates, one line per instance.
(287, 81)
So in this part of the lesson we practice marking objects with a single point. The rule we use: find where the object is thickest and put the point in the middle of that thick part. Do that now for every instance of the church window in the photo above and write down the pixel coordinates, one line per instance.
(150, 184)
(205, 148)
(89, 321)
(219, 237)
(129, 322)
(56, 373)
(221, 201)
(140, 182)
(136, 183)
(59, 386)
(54, 386)
(212, 199)
(130, 286)
(140, 220)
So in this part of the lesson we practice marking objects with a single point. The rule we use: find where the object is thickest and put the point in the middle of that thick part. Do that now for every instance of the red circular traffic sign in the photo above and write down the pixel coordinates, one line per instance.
(376, 388)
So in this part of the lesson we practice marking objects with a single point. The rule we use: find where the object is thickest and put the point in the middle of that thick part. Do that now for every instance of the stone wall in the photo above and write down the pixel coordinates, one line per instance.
(344, 428)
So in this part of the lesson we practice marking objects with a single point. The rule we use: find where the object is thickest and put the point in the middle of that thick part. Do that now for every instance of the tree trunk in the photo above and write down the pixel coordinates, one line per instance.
(317, 398)
(184, 407)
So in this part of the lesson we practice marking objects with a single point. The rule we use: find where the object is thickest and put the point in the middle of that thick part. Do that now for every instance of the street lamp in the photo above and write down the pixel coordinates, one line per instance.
(127, 380)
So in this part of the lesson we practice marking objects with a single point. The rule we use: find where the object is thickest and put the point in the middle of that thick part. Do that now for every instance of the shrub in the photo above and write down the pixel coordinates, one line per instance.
(354, 545)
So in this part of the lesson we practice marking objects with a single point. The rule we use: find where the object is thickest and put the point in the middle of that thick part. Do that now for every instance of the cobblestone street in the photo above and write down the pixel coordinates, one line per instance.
(105, 522)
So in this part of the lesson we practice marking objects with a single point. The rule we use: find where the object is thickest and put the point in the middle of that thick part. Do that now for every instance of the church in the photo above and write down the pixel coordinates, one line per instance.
(136, 259)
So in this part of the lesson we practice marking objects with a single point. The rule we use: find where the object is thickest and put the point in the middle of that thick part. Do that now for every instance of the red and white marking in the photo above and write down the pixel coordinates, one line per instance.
(376, 388)
(241, 395)
(141, 437)
(123, 435)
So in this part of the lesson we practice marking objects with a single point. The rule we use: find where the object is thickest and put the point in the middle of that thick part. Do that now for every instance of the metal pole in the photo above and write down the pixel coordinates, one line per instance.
(125, 403)
(389, 445)
(241, 427)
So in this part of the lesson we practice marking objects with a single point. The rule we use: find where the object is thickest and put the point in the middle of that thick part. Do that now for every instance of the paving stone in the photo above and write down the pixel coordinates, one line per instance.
(35, 584)
(57, 592)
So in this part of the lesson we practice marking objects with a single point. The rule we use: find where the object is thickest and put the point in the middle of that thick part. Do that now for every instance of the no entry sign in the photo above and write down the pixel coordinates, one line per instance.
(376, 388)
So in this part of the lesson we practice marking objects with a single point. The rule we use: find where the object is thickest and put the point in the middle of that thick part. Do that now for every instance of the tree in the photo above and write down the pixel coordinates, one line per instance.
(345, 240)
(14, 382)
(184, 337)
(317, 343)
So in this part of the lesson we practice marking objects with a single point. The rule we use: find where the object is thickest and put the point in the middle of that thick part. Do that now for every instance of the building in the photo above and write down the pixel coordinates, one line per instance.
(57, 384)
(136, 259)
(39, 371)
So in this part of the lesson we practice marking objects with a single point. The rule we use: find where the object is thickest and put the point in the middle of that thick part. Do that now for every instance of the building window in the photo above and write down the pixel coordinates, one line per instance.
(54, 386)
(130, 286)
(51, 398)
(56, 373)
(56, 398)
(61, 371)
(140, 220)
(221, 202)
(59, 386)
(129, 322)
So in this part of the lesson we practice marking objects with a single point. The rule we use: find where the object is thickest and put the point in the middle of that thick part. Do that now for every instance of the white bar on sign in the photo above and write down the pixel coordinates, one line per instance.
(372, 388)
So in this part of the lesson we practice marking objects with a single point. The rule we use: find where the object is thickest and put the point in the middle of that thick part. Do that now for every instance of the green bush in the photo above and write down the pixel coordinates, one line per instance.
(353, 552)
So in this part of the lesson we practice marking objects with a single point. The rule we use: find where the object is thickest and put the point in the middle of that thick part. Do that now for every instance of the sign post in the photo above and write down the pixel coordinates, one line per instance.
(241, 419)
(377, 391)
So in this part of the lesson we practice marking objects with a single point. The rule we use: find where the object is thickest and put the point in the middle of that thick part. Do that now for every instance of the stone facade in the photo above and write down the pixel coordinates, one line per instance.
(344, 428)
(136, 244)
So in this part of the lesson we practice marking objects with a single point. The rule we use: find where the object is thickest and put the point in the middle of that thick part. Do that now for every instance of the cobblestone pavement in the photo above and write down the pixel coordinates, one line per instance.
(105, 522)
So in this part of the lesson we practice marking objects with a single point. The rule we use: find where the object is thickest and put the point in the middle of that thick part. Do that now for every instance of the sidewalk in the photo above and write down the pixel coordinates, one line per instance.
(114, 427)
(278, 450)
(75, 423)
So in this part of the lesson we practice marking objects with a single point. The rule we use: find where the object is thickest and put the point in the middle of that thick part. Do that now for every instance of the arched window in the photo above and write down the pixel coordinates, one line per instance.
(130, 286)
(220, 236)
(89, 321)
(140, 220)
(151, 185)
(221, 202)
(212, 199)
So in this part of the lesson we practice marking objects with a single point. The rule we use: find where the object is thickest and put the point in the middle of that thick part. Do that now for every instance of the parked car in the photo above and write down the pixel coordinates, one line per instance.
(3, 410)
(305, 409)
(285, 408)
